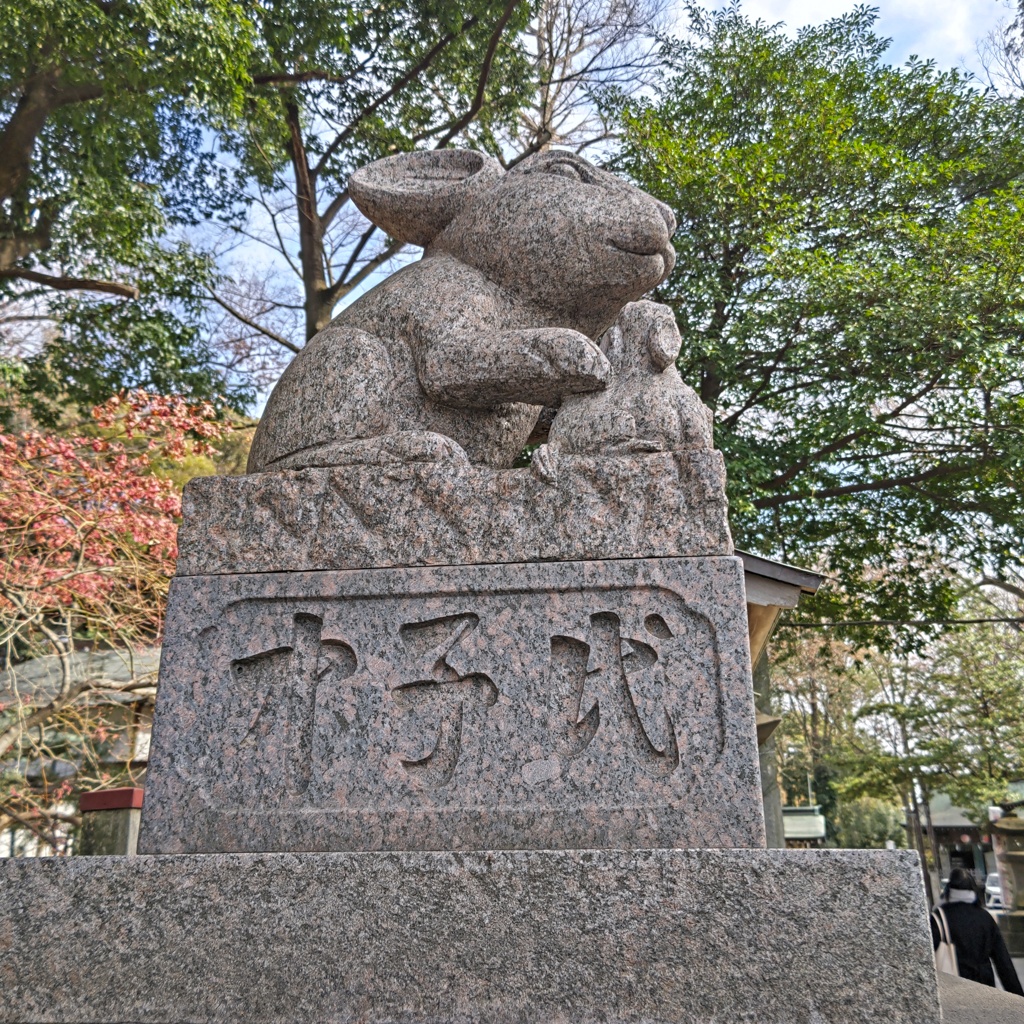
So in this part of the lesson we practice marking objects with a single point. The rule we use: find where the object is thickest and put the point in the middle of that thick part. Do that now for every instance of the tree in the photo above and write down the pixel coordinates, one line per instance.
(581, 52)
(969, 699)
(330, 95)
(902, 727)
(849, 291)
(254, 113)
(102, 110)
(868, 823)
(817, 691)
(88, 528)
(332, 89)
(1001, 52)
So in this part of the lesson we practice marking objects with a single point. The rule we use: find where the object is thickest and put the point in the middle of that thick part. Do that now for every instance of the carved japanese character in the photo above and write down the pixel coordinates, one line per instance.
(439, 692)
(284, 682)
(605, 669)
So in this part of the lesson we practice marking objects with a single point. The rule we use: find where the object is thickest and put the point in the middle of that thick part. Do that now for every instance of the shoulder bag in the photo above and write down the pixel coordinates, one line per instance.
(945, 951)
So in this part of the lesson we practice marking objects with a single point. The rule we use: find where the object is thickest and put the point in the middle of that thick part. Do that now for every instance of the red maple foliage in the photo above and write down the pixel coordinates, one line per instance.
(88, 525)
(87, 528)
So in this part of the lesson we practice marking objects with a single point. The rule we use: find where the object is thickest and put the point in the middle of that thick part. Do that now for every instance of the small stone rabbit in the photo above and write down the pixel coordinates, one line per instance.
(646, 407)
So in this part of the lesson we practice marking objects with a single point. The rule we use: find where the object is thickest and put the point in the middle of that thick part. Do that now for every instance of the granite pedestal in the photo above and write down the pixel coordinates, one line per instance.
(448, 775)
(691, 937)
(545, 705)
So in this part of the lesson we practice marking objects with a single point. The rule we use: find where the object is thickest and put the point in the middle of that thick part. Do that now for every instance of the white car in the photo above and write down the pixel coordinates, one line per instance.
(993, 892)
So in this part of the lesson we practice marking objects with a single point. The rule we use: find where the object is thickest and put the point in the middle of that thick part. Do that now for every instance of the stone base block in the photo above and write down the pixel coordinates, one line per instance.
(967, 1002)
(570, 704)
(357, 517)
(701, 937)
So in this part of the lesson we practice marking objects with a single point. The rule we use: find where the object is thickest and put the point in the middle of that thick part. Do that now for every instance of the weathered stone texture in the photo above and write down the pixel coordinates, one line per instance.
(691, 937)
(358, 517)
(967, 1002)
(530, 706)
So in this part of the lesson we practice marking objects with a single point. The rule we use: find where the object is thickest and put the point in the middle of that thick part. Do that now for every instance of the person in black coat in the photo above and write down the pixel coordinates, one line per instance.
(975, 935)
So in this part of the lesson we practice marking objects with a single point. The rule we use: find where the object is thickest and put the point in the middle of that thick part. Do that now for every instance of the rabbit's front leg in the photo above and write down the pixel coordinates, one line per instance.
(537, 366)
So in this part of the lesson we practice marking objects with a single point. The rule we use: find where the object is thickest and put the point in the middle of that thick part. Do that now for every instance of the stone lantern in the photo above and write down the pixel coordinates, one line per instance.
(1008, 843)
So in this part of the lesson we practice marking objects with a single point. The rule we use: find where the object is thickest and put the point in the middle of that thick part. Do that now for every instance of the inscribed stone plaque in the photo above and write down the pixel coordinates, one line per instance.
(552, 705)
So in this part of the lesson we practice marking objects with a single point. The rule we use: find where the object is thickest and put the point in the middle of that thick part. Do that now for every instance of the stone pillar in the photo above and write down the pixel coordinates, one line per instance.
(1008, 843)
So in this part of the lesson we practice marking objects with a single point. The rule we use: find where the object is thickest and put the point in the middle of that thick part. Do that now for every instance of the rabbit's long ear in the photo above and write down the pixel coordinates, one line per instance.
(414, 196)
(663, 339)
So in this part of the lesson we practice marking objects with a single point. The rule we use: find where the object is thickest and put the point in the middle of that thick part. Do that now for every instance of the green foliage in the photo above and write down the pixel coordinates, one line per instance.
(868, 824)
(885, 726)
(103, 110)
(818, 692)
(849, 290)
(970, 713)
(123, 124)
(158, 343)
(334, 87)
(387, 76)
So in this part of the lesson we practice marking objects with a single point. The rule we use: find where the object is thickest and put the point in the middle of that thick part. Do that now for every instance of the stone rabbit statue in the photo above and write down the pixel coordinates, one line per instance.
(454, 356)
(646, 406)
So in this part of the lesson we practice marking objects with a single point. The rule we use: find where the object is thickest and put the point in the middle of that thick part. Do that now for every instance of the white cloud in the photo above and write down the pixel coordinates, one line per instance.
(945, 30)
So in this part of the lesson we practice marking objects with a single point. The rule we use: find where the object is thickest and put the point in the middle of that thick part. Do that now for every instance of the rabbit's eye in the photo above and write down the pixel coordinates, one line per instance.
(566, 169)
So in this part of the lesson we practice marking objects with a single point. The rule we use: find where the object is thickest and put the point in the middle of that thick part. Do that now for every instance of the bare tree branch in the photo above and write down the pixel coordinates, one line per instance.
(71, 284)
(242, 318)
(1006, 585)
(883, 484)
(485, 73)
(414, 72)
(333, 208)
(343, 287)
(357, 249)
(48, 837)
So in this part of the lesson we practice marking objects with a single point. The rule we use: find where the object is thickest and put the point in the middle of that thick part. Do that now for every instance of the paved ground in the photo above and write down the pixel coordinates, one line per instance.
(966, 1002)
(1018, 962)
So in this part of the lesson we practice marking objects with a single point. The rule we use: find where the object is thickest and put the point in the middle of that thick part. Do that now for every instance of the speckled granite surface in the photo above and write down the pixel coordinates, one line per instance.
(531, 706)
(359, 517)
(692, 937)
(967, 1002)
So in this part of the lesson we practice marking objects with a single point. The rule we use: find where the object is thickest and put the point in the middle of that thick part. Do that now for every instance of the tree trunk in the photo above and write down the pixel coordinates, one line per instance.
(913, 812)
(18, 138)
(932, 838)
(311, 233)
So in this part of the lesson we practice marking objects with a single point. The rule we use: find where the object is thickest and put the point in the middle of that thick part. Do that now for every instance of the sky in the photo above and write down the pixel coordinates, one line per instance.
(946, 30)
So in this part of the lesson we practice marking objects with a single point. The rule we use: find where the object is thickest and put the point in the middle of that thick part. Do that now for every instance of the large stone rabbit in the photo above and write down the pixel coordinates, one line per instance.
(453, 356)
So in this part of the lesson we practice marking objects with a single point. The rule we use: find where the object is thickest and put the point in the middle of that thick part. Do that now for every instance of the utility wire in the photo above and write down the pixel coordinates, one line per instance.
(894, 622)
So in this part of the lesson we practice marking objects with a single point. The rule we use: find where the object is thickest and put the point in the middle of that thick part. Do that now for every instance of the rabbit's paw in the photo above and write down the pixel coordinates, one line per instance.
(577, 363)
(421, 446)
(544, 463)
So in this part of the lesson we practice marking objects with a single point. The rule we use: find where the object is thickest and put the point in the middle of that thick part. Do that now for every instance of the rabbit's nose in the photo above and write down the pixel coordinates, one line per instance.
(670, 217)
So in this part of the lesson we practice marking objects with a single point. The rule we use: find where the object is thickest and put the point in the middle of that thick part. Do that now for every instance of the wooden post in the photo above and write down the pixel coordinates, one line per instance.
(110, 822)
